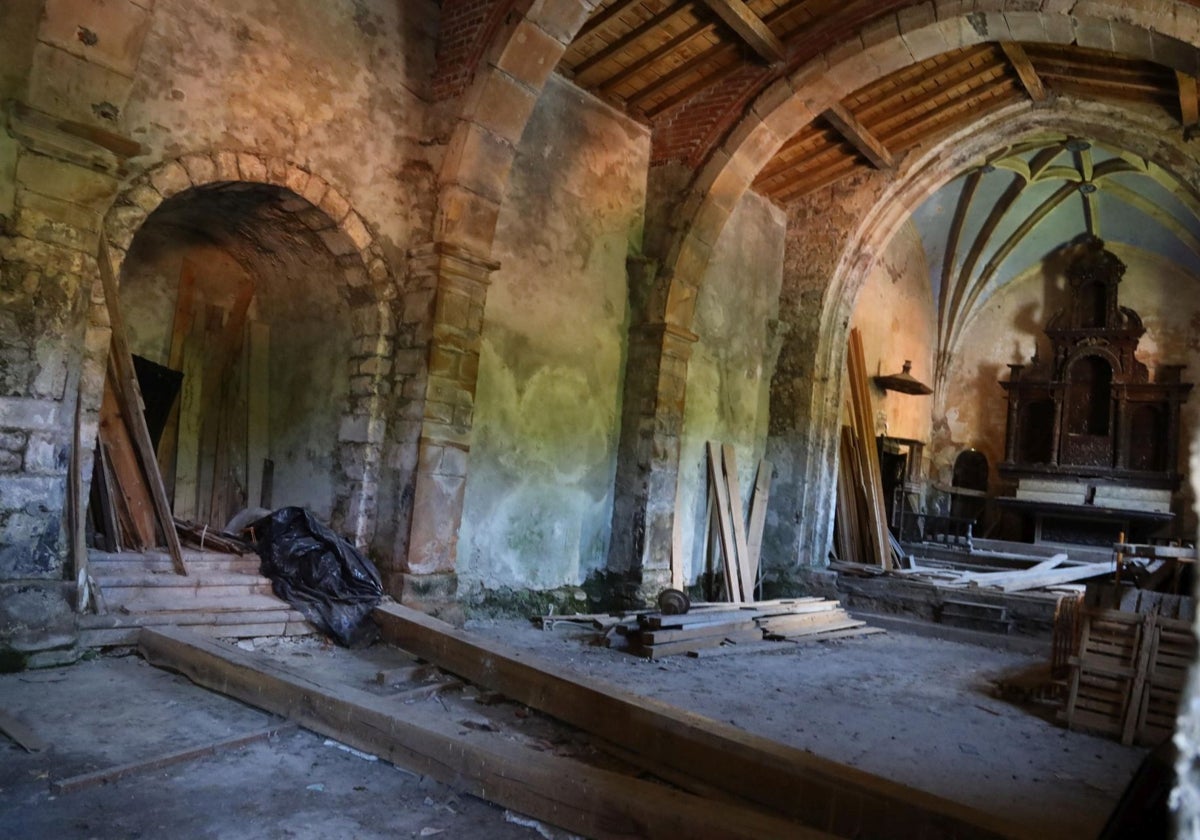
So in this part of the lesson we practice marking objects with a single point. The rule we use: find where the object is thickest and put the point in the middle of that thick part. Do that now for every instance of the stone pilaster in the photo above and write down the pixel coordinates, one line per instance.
(436, 376)
(648, 456)
(64, 176)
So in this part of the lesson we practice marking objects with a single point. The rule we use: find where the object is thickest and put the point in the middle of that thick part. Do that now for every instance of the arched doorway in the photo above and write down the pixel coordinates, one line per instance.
(255, 298)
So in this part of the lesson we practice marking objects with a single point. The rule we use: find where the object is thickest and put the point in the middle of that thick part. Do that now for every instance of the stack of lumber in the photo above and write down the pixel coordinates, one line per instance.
(738, 627)
(1128, 672)
(736, 542)
(861, 529)
(1050, 573)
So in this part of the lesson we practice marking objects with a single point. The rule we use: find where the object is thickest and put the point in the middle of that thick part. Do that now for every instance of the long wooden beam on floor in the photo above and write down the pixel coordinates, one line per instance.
(563, 792)
(816, 792)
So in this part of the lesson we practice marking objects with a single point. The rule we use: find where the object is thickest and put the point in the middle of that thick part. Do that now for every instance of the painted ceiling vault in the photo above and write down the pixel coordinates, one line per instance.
(1015, 210)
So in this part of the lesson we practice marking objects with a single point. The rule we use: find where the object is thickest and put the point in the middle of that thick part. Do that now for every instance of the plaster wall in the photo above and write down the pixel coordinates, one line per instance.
(729, 374)
(973, 410)
(894, 312)
(333, 86)
(538, 501)
(309, 352)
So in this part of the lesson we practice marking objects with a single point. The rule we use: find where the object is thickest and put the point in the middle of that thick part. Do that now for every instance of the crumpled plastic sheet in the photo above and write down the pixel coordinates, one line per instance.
(320, 574)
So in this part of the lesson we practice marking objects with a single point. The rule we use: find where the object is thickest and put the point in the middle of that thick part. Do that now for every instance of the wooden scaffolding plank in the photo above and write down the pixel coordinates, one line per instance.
(566, 793)
(758, 516)
(864, 421)
(129, 396)
(792, 782)
(134, 504)
(736, 517)
(724, 523)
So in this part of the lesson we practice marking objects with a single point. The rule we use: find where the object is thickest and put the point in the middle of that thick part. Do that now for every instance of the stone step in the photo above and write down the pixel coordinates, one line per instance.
(195, 561)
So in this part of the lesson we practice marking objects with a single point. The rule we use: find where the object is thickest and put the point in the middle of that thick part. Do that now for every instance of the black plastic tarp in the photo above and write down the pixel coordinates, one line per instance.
(320, 574)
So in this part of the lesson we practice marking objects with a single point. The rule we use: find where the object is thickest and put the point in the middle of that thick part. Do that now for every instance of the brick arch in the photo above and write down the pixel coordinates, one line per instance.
(368, 278)
(927, 171)
(1169, 35)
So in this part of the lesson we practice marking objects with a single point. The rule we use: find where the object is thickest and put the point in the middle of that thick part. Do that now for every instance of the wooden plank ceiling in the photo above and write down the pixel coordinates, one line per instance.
(650, 57)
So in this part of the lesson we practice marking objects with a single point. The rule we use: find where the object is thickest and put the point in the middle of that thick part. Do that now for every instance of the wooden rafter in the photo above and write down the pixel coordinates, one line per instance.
(603, 18)
(1025, 70)
(876, 102)
(631, 37)
(1189, 106)
(750, 28)
(867, 144)
(654, 56)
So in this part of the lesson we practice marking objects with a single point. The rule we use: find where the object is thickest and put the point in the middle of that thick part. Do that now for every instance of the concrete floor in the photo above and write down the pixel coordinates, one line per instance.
(919, 711)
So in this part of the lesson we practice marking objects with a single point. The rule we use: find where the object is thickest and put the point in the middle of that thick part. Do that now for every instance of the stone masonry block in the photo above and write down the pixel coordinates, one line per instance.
(68, 86)
(1131, 40)
(227, 165)
(1094, 34)
(297, 179)
(335, 204)
(145, 197)
(479, 160)
(561, 20)
(467, 219)
(44, 455)
(200, 168)
(500, 104)
(882, 30)
(171, 178)
(530, 55)
(315, 189)
(65, 181)
(277, 169)
(356, 230)
(252, 168)
(108, 33)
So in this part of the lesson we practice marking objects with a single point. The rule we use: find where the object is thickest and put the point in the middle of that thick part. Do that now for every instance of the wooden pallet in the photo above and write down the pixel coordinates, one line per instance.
(1128, 676)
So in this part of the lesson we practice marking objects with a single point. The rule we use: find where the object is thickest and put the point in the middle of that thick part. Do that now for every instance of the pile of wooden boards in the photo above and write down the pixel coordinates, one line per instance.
(738, 543)
(738, 628)
(1130, 667)
(130, 489)
(861, 531)
(1051, 573)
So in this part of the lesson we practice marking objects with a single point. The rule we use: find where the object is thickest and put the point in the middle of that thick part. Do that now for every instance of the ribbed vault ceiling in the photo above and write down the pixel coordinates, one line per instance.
(1010, 214)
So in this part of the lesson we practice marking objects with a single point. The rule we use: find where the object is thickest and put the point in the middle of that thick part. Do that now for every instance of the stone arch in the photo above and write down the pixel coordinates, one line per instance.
(369, 286)
(495, 109)
(922, 175)
(1164, 35)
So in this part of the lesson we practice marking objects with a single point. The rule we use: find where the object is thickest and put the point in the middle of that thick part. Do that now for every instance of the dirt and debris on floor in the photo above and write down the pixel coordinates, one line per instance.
(919, 711)
(116, 710)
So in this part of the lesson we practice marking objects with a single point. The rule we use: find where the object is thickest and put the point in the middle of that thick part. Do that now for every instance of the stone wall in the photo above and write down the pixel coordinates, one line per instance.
(538, 501)
(732, 362)
(895, 314)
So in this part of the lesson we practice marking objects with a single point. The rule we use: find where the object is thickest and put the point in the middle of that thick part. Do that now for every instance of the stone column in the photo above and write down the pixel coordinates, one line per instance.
(648, 457)
(436, 376)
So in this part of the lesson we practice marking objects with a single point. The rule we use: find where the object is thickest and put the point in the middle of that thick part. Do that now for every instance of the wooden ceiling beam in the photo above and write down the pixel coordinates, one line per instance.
(917, 119)
(932, 75)
(1026, 72)
(1189, 106)
(654, 56)
(599, 21)
(867, 144)
(631, 37)
(750, 28)
(906, 112)
(716, 54)
(800, 171)
(827, 175)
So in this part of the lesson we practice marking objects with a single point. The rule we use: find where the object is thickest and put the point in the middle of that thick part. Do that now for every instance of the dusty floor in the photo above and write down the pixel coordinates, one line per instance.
(919, 711)
(111, 711)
